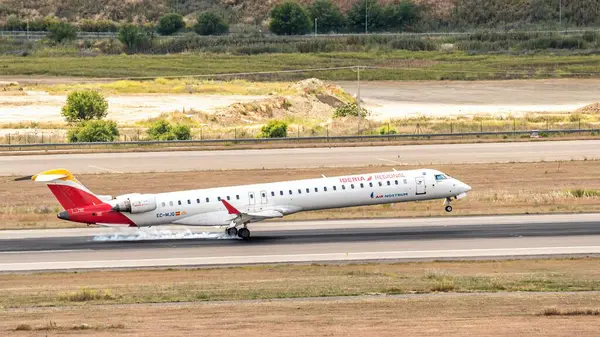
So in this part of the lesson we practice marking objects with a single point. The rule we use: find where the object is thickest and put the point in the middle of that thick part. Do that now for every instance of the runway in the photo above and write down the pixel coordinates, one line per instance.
(303, 157)
(313, 241)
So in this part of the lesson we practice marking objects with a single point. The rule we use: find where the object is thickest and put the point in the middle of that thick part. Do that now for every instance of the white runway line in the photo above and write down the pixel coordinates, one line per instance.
(392, 161)
(105, 169)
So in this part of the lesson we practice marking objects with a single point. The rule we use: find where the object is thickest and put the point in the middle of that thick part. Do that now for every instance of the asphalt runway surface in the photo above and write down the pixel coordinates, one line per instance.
(312, 241)
(302, 157)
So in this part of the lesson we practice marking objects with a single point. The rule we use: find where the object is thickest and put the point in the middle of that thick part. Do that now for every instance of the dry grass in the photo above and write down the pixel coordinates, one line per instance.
(554, 311)
(423, 316)
(295, 281)
(512, 188)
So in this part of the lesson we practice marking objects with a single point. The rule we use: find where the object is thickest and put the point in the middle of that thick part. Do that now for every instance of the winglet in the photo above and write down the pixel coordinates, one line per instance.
(230, 209)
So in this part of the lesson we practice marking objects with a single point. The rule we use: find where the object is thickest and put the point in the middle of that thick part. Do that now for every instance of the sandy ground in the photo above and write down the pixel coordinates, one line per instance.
(41, 107)
(442, 98)
(430, 315)
(385, 99)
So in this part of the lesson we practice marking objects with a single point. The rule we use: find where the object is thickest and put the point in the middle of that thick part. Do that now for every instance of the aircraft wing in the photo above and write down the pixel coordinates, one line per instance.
(253, 216)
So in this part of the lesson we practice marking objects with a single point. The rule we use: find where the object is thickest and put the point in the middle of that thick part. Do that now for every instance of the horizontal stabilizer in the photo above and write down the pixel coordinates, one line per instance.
(24, 178)
(48, 177)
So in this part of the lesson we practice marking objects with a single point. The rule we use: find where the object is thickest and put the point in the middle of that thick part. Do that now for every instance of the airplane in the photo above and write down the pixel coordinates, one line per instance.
(235, 207)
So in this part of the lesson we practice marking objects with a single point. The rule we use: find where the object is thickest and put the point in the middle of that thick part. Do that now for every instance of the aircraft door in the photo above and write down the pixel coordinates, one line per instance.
(251, 202)
(263, 199)
(421, 187)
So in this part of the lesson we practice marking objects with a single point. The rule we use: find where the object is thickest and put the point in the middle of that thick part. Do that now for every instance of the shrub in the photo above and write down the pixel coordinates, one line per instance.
(133, 37)
(84, 105)
(170, 24)
(400, 16)
(328, 15)
(350, 109)
(163, 130)
(289, 18)
(94, 131)
(87, 25)
(384, 130)
(210, 23)
(274, 129)
(62, 31)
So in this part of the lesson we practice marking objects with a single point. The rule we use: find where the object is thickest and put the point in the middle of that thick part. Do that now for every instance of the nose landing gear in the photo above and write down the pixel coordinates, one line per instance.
(448, 207)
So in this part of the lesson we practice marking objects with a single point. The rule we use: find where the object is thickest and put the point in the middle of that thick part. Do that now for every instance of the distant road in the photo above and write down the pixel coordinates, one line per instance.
(302, 157)
(281, 242)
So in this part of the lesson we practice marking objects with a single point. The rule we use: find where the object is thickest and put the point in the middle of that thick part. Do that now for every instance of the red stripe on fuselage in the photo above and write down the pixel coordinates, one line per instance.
(102, 214)
(72, 197)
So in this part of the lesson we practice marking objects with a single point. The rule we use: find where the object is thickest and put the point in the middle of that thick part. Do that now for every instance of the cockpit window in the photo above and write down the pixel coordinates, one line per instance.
(440, 177)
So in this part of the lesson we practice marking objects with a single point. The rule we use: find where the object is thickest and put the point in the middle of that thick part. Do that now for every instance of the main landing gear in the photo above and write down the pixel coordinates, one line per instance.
(243, 232)
(448, 207)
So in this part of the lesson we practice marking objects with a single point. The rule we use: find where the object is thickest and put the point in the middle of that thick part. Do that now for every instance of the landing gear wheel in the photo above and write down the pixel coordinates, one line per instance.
(231, 231)
(448, 208)
(244, 233)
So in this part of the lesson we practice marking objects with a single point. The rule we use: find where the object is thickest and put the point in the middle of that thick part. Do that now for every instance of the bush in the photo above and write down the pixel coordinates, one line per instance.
(87, 25)
(94, 131)
(163, 130)
(274, 129)
(384, 130)
(401, 16)
(170, 24)
(210, 23)
(328, 15)
(350, 109)
(133, 38)
(289, 18)
(84, 105)
(62, 31)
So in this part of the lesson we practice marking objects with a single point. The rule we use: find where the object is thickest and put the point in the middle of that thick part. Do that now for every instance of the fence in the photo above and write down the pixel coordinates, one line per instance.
(38, 35)
(322, 139)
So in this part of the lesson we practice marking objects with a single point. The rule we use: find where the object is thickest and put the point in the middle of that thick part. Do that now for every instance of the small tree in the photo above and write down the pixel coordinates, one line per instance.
(84, 105)
(274, 129)
(130, 35)
(170, 24)
(290, 18)
(62, 31)
(94, 131)
(210, 23)
(401, 15)
(328, 15)
(163, 130)
(374, 17)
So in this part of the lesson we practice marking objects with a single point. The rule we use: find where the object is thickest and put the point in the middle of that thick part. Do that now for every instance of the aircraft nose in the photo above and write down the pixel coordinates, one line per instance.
(64, 215)
(465, 187)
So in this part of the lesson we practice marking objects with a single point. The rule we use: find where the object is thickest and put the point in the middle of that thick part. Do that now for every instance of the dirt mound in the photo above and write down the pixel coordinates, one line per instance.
(593, 108)
(311, 99)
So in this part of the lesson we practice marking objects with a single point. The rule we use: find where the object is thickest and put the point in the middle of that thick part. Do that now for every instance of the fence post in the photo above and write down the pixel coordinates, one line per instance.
(326, 134)
(9, 139)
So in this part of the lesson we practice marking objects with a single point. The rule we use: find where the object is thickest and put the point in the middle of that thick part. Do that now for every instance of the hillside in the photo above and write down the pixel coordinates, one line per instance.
(436, 13)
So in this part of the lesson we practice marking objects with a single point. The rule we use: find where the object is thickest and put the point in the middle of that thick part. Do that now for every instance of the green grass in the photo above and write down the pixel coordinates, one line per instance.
(295, 281)
(397, 65)
(584, 193)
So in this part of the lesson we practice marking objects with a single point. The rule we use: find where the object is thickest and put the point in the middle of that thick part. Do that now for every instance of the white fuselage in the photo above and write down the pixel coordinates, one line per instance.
(204, 208)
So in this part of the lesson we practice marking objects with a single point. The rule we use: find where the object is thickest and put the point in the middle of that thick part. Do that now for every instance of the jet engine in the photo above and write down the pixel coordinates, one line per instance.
(135, 203)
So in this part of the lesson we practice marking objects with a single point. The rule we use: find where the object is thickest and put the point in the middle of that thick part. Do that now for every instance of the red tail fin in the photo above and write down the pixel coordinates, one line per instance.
(69, 192)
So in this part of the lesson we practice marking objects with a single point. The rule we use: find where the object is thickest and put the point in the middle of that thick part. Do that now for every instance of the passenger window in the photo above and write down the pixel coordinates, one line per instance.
(316, 189)
(198, 200)
(189, 202)
(163, 204)
(280, 192)
(290, 192)
(252, 196)
(237, 197)
(325, 188)
(334, 188)
(218, 198)
(299, 191)
(228, 198)
(264, 195)
(352, 186)
(380, 184)
(207, 200)
(179, 202)
(389, 183)
(370, 184)
(405, 182)
(343, 187)
(272, 193)
(307, 190)
(396, 182)
(170, 203)
(362, 185)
